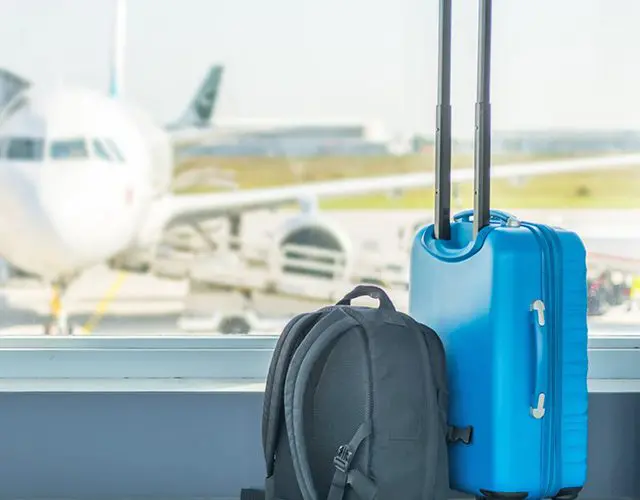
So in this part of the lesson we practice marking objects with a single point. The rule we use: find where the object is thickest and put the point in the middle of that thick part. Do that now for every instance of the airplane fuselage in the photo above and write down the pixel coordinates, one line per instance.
(79, 173)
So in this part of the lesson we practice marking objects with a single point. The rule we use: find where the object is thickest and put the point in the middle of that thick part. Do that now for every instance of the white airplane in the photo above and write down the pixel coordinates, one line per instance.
(85, 179)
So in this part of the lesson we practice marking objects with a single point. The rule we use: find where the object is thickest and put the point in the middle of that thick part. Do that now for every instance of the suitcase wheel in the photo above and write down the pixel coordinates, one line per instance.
(568, 494)
(498, 495)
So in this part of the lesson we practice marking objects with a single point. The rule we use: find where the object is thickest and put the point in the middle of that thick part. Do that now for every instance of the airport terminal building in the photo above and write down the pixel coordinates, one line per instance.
(295, 141)
(372, 140)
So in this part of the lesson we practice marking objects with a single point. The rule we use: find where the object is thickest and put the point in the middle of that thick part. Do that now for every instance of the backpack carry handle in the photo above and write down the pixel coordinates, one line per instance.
(368, 290)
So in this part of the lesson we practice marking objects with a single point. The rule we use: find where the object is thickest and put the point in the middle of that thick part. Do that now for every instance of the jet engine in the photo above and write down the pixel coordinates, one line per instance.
(308, 245)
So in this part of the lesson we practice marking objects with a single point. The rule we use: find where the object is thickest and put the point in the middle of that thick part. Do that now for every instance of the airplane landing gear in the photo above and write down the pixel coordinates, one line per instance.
(58, 323)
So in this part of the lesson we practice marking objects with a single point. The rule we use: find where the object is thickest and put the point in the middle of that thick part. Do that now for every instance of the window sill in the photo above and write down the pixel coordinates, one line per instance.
(204, 363)
(139, 385)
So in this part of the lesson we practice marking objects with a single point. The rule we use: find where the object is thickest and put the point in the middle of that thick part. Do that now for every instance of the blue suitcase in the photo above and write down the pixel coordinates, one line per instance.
(509, 300)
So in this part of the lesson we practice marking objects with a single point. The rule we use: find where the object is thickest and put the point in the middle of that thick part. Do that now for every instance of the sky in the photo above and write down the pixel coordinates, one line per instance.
(556, 63)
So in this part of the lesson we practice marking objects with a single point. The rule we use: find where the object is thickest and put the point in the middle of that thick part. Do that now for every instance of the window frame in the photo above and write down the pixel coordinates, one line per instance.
(99, 142)
(613, 360)
(114, 149)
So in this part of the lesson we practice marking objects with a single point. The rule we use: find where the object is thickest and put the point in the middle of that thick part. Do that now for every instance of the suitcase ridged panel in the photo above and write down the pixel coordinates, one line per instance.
(574, 363)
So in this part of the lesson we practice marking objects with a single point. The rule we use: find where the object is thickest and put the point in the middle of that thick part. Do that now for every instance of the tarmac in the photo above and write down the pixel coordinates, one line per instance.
(106, 302)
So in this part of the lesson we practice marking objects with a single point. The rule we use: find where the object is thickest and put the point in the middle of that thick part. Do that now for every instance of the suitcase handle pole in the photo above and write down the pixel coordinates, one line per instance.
(482, 140)
(442, 224)
(540, 384)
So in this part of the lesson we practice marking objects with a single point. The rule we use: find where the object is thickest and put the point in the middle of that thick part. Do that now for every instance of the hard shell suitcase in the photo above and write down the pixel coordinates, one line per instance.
(509, 300)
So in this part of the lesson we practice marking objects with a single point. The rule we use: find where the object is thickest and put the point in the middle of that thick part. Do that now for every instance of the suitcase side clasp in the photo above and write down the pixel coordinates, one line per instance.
(538, 307)
(539, 411)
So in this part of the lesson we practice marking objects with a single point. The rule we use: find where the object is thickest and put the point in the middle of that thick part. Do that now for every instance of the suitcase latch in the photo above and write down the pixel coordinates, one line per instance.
(513, 222)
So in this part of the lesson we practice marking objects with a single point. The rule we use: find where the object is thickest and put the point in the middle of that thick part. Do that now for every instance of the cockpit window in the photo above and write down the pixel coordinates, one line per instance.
(24, 148)
(114, 149)
(100, 150)
(71, 149)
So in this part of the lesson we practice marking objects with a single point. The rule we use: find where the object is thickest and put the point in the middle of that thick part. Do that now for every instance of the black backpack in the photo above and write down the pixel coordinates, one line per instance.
(356, 407)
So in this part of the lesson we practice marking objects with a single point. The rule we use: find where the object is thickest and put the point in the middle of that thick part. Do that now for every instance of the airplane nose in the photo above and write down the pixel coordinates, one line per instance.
(56, 218)
(26, 238)
(85, 204)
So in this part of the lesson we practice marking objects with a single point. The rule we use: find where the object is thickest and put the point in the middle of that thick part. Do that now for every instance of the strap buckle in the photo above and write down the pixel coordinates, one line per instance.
(343, 458)
(463, 434)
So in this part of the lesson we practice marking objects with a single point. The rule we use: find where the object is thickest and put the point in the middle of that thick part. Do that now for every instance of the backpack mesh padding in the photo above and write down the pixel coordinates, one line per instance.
(335, 405)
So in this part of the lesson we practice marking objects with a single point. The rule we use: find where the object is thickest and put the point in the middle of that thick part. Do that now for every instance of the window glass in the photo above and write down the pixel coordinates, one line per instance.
(24, 148)
(100, 150)
(310, 94)
(70, 149)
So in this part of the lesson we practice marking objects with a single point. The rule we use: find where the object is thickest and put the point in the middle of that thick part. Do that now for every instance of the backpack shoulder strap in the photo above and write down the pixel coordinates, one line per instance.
(268, 390)
(328, 329)
(344, 475)
(287, 344)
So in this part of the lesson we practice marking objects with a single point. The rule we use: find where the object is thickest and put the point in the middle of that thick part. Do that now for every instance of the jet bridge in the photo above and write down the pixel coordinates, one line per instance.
(259, 289)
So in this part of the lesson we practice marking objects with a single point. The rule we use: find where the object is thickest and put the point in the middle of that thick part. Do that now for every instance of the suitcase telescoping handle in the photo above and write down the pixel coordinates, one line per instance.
(368, 290)
(442, 227)
(542, 368)
(482, 138)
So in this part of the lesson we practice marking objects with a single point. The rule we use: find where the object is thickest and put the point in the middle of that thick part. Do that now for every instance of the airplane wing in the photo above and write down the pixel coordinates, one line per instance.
(190, 208)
